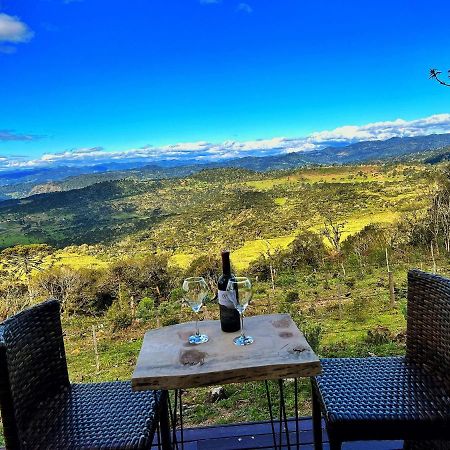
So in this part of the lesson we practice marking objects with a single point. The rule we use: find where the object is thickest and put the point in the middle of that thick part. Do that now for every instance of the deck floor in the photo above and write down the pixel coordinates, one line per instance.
(259, 436)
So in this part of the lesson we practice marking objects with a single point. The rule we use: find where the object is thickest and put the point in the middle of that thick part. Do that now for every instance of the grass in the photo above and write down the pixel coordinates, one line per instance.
(346, 174)
(76, 260)
(252, 250)
(357, 222)
(181, 260)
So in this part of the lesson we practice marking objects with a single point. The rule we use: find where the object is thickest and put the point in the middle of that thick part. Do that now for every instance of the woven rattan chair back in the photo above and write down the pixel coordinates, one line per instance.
(428, 323)
(32, 366)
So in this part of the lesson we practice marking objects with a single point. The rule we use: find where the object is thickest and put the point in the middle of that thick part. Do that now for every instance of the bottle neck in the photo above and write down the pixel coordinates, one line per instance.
(226, 266)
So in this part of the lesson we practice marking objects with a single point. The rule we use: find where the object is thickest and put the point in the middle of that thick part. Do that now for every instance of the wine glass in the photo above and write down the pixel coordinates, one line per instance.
(240, 293)
(195, 292)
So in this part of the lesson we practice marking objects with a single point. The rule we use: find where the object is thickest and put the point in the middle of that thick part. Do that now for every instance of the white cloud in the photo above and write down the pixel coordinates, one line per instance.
(244, 7)
(206, 151)
(8, 135)
(13, 30)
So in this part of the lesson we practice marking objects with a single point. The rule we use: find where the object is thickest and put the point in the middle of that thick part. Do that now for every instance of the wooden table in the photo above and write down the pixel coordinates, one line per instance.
(167, 361)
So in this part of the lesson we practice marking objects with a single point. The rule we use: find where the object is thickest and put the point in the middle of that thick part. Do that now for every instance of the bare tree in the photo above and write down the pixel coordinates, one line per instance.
(270, 257)
(63, 283)
(333, 233)
(440, 216)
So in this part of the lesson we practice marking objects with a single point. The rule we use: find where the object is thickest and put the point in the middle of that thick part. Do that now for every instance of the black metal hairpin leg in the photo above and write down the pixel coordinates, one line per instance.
(297, 425)
(181, 419)
(176, 416)
(283, 415)
(164, 424)
(269, 403)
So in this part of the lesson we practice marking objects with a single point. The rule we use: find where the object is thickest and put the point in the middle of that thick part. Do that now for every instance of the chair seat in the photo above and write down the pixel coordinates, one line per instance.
(382, 398)
(96, 416)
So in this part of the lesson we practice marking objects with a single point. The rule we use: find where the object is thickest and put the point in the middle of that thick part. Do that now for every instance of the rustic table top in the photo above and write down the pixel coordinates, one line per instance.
(168, 361)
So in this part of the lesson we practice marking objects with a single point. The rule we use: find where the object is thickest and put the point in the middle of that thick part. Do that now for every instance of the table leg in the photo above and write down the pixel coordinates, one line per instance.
(164, 425)
(297, 425)
(283, 415)
(176, 416)
(181, 419)
(269, 403)
(282, 418)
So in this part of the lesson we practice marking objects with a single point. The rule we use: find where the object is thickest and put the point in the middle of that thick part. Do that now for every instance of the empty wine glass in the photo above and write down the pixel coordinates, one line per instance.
(195, 292)
(240, 293)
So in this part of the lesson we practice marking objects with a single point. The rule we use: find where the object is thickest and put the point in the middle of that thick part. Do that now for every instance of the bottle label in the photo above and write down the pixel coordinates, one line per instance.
(227, 299)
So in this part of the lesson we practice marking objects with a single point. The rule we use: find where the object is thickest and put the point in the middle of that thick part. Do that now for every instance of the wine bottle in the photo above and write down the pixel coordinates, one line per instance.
(229, 317)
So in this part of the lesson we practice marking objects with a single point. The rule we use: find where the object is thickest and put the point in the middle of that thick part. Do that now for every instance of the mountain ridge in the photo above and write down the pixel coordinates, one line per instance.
(56, 179)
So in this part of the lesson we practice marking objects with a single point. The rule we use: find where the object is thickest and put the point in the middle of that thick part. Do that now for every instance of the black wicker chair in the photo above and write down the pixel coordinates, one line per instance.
(394, 397)
(42, 410)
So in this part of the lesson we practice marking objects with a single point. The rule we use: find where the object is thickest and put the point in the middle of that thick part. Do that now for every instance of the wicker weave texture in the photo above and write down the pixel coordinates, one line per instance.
(396, 398)
(96, 416)
(382, 389)
(428, 323)
(42, 410)
(36, 361)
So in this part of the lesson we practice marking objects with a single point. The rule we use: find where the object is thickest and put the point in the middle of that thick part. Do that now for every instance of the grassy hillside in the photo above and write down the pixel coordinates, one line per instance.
(243, 210)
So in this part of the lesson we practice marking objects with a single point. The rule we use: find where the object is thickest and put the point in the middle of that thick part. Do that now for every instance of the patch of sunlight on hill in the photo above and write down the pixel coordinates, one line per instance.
(280, 201)
(367, 174)
(356, 223)
(181, 260)
(252, 250)
(74, 260)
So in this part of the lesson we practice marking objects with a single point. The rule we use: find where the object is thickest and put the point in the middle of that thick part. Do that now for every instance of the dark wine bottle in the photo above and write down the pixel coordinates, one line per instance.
(229, 317)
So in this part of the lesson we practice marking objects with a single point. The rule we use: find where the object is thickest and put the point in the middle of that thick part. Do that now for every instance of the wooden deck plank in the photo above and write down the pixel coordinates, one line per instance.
(242, 429)
(258, 435)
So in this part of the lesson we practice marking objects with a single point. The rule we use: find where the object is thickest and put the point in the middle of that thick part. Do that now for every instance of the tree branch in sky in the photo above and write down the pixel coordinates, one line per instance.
(434, 73)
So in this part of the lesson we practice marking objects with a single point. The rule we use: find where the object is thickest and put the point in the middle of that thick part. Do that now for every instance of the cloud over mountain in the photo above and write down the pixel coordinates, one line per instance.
(207, 151)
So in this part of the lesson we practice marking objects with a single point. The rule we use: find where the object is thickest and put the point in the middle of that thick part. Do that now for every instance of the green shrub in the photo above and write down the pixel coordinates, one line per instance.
(286, 279)
(311, 280)
(379, 335)
(176, 295)
(119, 317)
(168, 313)
(292, 297)
(146, 309)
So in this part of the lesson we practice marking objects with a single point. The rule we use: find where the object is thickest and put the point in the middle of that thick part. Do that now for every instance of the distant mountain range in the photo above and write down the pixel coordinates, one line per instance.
(23, 183)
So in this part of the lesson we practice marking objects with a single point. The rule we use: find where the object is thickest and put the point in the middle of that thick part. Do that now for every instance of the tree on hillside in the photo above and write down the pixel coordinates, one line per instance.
(307, 249)
(333, 232)
(74, 288)
(21, 260)
(440, 216)
(207, 266)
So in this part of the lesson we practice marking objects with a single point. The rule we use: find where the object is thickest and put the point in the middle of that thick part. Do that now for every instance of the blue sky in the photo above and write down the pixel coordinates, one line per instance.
(89, 77)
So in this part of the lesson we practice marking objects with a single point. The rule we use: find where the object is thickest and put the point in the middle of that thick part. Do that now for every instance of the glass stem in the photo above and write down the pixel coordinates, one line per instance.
(197, 331)
(242, 325)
